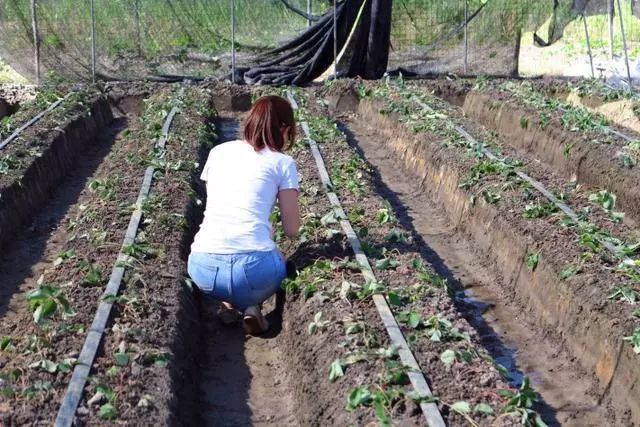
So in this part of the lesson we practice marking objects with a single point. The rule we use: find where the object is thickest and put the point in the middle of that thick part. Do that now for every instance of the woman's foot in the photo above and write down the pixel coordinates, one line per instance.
(254, 322)
(228, 314)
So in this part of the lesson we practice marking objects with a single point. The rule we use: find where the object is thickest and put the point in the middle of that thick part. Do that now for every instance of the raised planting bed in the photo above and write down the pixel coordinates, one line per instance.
(468, 390)
(574, 291)
(619, 106)
(146, 369)
(45, 322)
(574, 142)
(32, 165)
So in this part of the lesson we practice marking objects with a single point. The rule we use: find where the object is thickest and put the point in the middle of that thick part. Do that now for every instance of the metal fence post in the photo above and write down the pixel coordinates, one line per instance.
(610, 10)
(335, 40)
(309, 11)
(466, 35)
(93, 42)
(136, 17)
(586, 33)
(233, 41)
(624, 46)
(36, 38)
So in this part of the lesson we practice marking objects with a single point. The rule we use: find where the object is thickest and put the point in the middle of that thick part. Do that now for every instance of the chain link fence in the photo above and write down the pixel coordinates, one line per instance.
(160, 39)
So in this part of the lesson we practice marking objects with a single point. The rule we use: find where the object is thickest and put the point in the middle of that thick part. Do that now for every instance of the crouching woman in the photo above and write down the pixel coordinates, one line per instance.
(233, 257)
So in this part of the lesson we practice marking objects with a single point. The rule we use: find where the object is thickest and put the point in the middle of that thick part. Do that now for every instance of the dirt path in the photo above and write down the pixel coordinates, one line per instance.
(522, 348)
(244, 378)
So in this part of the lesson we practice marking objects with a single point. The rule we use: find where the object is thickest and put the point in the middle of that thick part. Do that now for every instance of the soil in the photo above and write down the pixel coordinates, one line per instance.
(453, 260)
(523, 349)
(31, 257)
(558, 247)
(592, 164)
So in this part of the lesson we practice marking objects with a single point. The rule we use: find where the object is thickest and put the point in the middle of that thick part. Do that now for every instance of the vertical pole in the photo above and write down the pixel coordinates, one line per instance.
(335, 40)
(136, 17)
(610, 10)
(36, 38)
(624, 46)
(309, 11)
(233, 41)
(93, 42)
(586, 33)
(466, 35)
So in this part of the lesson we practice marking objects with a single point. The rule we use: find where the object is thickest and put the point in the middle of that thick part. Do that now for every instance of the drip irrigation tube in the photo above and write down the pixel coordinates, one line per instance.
(418, 381)
(82, 368)
(535, 184)
(608, 129)
(34, 120)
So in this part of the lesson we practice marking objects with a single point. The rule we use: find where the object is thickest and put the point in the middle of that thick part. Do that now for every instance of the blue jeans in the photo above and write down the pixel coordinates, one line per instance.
(240, 279)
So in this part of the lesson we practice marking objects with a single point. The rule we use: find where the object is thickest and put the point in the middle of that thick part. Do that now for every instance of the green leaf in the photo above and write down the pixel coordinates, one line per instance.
(394, 298)
(336, 370)
(461, 407)
(387, 264)
(122, 359)
(113, 371)
(414, 319)
(5, 342)
(448, 357)
(568, 272)
(532, 260)
(483, 408)
(45, 365)
(108, 412)
(378, 405)
(358, 396)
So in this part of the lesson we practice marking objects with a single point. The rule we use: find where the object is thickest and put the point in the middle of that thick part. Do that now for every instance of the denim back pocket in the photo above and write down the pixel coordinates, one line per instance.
(260, 271)
(203, 274)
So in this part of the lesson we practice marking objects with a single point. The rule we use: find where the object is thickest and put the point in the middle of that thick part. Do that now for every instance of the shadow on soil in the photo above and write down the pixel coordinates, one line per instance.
(20, 259)
(470, 308)
(211, 376)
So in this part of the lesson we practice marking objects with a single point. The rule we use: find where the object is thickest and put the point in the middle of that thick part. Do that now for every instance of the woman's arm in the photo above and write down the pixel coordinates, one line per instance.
(288, 201)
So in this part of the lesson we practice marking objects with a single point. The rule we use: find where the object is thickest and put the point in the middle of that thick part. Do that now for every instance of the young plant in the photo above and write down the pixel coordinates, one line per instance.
(48, 301)
(634, 339)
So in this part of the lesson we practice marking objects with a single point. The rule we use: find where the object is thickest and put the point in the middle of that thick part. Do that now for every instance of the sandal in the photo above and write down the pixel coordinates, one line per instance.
(227, 314)
(254, 322)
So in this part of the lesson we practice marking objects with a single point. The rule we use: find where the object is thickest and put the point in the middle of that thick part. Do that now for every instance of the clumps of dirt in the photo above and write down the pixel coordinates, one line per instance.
(532, 254)
(34, 164)
(16, 94)
(227, 96)
(328, 279)
(422, 296)
(156, 321)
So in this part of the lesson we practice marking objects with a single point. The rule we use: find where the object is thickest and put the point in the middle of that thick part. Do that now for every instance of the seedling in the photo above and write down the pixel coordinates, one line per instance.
(105, 188)
(318, 324)
(64, 256)
(46, 301)
(385, 214)
(539, 210)
(93, 274)
(634, 339)
(449, 356)
(624, 293)
(532, 260)
(520, 404)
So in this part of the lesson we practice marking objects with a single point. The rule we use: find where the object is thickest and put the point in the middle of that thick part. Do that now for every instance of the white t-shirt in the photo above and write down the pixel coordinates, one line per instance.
(242, 187)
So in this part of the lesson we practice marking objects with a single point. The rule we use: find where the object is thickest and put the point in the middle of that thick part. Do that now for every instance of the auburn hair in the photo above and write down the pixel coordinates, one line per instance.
(269, 123)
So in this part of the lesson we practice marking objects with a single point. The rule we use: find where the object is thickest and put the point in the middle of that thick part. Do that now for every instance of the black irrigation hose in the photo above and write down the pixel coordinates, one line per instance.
(67, 411)
(34, 120)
